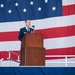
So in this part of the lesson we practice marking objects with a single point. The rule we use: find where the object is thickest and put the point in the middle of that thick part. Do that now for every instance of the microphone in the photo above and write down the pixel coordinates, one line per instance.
(33, 26)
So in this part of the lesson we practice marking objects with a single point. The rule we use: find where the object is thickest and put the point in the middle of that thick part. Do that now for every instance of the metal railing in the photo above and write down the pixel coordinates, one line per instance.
(61, 56)
(10, 59)
(1, 60)
(50, 56)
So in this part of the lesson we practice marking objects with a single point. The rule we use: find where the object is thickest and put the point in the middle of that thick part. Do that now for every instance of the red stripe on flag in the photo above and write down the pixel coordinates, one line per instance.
(69, 10)
(48, 33)
(4, 54)
(9, 36)
(57, 32)
(60, 51)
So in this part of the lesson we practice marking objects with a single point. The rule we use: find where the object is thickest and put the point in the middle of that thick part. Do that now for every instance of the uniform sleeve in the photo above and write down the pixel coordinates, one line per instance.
(20, 35)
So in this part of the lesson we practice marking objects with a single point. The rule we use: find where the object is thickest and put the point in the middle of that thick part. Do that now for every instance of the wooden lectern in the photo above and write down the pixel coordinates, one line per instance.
(32, 51)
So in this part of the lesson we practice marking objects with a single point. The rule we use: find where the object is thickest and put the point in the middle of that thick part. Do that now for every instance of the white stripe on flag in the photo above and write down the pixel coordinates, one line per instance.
(54, 43)
(10, 45)
(62, 42)
(68, 2)
(39, 24)
(54, 22)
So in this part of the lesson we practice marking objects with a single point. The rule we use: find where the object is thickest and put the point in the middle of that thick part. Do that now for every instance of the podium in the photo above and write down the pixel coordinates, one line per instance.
(32, 51)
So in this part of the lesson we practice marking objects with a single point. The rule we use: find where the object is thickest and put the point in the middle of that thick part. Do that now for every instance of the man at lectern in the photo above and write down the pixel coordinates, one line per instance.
(25, 29)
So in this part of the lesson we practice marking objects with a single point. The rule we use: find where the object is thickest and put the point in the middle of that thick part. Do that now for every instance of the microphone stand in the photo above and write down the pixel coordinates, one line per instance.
(33, 27)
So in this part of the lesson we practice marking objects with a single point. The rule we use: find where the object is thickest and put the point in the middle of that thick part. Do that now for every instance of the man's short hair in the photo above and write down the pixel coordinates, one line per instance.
(26, 21)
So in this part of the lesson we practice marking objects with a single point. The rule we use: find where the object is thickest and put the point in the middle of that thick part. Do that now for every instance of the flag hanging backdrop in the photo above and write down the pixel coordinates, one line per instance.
(53, 18)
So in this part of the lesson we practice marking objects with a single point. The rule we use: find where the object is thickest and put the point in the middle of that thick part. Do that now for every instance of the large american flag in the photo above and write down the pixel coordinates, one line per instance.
(53, 18)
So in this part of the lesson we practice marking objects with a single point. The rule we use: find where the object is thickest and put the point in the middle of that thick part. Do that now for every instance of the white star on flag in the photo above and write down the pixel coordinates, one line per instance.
(24, 10)
(31, 3)
(46, 1)
(9, 11)
(39, 9)
(16, 4)
(53, 8)
(2, 5)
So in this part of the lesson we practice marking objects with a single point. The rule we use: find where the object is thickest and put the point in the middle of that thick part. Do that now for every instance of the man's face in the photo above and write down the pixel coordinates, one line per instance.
(28, 23)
